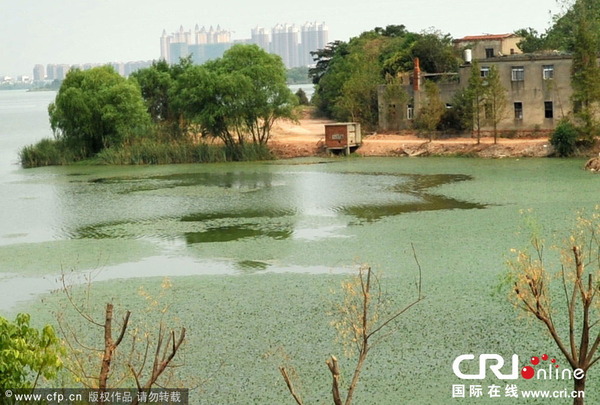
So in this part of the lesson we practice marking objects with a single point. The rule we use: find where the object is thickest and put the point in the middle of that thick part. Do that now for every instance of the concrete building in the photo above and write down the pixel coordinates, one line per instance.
(287, 41)
(39, 73)
(313, 36)
(202, 44)
(538, 90)
(260, 37)
(284, 42)
(489, 46)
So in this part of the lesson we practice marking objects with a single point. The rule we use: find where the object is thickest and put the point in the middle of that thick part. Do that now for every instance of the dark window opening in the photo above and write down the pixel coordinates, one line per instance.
(489, 52)
(548, 109)
(518, 111)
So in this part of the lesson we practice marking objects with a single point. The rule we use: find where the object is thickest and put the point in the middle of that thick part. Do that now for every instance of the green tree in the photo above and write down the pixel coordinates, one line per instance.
(430, 115)
(585, 73)
(496, 99)
(236, 98)
(435, 52)
(475, 92)
(302, 97)
(532, 41)
(156, 84)
(26, 354)
(265, 98)
(96, 109)
(358, 98)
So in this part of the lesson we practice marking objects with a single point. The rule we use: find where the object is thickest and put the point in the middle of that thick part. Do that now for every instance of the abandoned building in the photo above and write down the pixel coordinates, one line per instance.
(538, 86)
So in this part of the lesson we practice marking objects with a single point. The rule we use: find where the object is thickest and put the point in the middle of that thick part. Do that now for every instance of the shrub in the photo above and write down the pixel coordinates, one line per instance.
(564, 138)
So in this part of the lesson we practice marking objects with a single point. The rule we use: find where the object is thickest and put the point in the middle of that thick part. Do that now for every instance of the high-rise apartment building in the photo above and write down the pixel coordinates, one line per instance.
(39, 73)
(285, 43)
(313, 36)
(293, 45)
(260, 37)
(202, 44)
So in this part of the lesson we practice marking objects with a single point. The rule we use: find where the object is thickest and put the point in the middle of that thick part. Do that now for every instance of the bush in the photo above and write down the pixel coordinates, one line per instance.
(302, 97)
(564, 138)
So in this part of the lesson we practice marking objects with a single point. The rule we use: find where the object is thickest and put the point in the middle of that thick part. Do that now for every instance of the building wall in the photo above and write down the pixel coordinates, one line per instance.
(532, 88)
(538, 93)
(498, 44)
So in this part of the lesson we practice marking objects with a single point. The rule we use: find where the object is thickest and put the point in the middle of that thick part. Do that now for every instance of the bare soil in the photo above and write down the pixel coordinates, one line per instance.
(307, 138)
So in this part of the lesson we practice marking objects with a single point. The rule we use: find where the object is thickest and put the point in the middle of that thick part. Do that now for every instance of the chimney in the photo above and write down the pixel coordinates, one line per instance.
(416, 75)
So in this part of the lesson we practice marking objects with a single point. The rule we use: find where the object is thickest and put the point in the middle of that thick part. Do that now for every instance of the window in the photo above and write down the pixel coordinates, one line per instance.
(410, 112)
(518, 110)
(485, 71)
(518, 74)
(548, 72)
(489, 52)
(548, 109)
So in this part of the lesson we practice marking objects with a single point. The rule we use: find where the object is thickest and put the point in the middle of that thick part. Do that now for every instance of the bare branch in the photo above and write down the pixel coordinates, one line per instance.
(290, 386)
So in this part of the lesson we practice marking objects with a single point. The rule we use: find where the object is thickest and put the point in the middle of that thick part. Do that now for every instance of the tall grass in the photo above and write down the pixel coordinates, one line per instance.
(47, 152)
(144, 151)
(148, 151)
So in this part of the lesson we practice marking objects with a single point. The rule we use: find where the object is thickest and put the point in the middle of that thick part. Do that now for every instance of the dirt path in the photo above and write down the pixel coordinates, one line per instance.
(307, 138)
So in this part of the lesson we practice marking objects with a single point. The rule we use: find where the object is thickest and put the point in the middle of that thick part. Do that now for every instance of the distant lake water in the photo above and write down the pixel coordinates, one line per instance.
(309, 88)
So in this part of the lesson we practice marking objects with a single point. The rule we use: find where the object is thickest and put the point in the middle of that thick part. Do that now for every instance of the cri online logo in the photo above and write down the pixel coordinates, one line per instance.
(495, 363)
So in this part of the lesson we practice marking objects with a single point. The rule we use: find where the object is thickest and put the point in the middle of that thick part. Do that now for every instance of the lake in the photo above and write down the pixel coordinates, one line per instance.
(255, 252)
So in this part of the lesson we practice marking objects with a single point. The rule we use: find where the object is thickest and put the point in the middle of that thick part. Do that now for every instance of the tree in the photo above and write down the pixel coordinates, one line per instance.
(267, 98)
(302, 97)
(358, 98)
(496, 99)
(27, 354)
(118, 361)
(532, 292)
(435, 52)
(96, 109)
(532, 41)
(236, 98)
(430, 114)
(360, 320)
(585, 73)
(475, 92)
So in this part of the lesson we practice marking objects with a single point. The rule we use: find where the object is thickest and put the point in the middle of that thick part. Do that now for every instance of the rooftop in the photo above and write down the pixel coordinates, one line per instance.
(486, 37)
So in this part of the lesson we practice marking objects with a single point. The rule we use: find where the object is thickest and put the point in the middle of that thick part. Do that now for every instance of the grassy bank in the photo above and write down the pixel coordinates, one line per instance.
(50, 152)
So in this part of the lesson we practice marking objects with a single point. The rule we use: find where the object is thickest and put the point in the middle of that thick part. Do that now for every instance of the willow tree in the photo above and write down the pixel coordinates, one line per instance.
(96, 109)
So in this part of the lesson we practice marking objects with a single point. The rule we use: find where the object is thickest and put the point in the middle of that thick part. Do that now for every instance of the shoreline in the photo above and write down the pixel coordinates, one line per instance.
(307, 138)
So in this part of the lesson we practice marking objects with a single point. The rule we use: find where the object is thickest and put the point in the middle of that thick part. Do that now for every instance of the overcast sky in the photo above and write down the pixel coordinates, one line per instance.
(99, 31)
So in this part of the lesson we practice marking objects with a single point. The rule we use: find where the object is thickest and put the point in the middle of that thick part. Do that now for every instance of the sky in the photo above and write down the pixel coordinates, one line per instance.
(102, 31)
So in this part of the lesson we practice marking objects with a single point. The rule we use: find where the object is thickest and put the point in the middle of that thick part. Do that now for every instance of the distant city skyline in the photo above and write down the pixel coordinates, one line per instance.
(97, 31)
(293, 44)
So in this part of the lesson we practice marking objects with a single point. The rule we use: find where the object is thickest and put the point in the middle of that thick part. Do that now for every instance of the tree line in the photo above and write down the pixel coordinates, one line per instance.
(235, 99)
(347, 75)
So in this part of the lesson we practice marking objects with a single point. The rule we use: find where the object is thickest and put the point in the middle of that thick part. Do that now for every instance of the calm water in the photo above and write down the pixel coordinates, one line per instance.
(251, 239)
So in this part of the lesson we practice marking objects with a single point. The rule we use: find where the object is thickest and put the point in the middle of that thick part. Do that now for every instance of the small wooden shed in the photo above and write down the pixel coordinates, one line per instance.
(342, 135)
